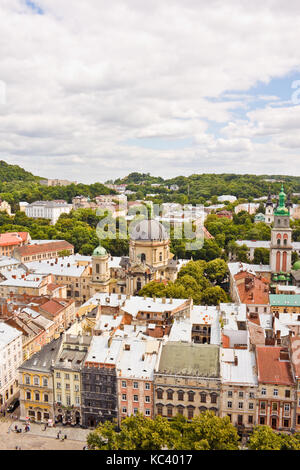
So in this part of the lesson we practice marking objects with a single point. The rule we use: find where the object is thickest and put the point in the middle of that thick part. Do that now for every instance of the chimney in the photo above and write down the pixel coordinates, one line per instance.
(284, 355)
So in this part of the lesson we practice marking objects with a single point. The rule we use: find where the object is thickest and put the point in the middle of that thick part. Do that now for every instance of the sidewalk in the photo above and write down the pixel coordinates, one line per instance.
(74, 434)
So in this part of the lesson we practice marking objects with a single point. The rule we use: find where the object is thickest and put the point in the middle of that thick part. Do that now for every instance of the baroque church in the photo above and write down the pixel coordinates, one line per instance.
(149, 260)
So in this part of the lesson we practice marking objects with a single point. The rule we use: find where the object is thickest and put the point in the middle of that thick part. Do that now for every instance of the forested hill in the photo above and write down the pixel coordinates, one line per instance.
(208, 185)
(15, 173)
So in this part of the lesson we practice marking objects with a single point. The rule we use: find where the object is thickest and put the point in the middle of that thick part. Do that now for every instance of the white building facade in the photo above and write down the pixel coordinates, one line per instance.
(11, 357)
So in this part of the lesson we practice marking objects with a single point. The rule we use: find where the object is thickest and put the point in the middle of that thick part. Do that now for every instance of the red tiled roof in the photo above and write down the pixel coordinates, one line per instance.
(52, 287)
(44, 248)
(255, 291)
(53, 307)
(13, 238)
(270, 368)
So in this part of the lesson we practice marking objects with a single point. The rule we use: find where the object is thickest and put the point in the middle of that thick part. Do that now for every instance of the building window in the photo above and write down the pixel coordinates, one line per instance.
(286, 407)
(124, 409)
(286, 423)
(213, 398)
(229, 404)
(287, 394)
(251, 406)
(37, 397)
(45, 382)
(147, 386)
(147, 412)
(251, 395)
(250, 419)
(135, 385)
(46, 398)
(68, 399)
(241, 405)
(263, 391)
(241, 394)
(159, 410)
(170, 394)
(229, 394)
(58, 375)
(190, 396)
(135, 398)
(124, 384)
(169, 411)
(27, 380)
(190, 413)
(147, 399)
(124, 397)
(159, 393)
(28, 396)
(36, 381)
(203, 397)
(275, 392)
(180, 395)
(262, 420)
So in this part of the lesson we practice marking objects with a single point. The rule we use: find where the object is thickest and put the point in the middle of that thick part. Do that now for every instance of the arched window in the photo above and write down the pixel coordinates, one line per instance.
(180, 395)
(284, 261)
(278, 261)
(143, 257)
(159, 393)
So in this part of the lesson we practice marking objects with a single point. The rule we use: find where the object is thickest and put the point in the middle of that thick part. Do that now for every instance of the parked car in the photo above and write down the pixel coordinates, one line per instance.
(14, 404)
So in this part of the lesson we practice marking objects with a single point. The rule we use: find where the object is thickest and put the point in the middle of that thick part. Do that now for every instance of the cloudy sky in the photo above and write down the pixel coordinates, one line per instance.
(92, 90)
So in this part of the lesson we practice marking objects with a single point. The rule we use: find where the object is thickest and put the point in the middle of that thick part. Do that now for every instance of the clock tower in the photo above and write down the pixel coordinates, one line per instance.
(281, 238)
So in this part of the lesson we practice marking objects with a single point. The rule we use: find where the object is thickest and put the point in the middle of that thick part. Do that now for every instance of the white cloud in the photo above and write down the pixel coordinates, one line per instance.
(86, 77)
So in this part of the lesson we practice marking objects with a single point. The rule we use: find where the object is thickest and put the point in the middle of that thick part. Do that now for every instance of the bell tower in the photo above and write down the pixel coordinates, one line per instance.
(281, 238)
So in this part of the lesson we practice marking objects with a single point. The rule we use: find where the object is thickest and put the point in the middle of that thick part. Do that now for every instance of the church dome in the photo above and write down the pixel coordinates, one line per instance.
(296, 266)
(148, 230)
(99, 251)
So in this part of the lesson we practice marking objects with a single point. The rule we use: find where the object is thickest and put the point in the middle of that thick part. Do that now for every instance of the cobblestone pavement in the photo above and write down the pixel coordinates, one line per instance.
(37, 439)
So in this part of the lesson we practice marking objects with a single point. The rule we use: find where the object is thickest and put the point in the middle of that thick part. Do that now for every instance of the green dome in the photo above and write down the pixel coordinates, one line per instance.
(99, 251)
(296, 266)
(282, 209)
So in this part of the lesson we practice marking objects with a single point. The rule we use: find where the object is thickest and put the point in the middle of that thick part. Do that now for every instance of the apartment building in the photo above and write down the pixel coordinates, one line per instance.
(135, 369)
(276, 393)
(42, 251)
(99, 381)
(9, 241)
(36, 385)
(187, 380)
(67, 378)
(48, 210)
(11, 356)
(239, 388)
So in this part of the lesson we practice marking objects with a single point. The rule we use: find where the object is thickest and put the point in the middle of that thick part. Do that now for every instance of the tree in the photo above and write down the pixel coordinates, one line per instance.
(264, 438)
(214, 296)
(216, 270)
(207, 432)
(261, 255)
(136, 433)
